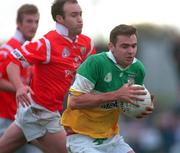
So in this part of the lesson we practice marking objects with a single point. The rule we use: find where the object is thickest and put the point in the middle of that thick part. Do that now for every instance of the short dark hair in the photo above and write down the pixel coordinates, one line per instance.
(121, 29)
(57, 7)
(26, 9)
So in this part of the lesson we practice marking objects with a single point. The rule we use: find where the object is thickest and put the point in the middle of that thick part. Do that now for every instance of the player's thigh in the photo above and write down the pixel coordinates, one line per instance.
(38, 145)
(54, 142)
(12, 139)
(4, 124)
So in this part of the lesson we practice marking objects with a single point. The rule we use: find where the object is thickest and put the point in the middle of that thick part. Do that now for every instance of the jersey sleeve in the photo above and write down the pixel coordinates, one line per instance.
(3, 66)
(3, 55)
(30, 53)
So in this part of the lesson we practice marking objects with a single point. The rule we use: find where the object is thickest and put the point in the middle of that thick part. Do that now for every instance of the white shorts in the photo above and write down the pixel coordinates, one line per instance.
(77, 143)
(36, 120)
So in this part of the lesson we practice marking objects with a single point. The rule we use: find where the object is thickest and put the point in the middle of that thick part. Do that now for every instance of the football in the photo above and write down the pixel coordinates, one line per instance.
(132, 110)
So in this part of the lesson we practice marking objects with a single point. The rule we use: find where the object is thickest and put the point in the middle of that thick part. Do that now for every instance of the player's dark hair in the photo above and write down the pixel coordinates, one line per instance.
(57, 7)
(121, 29)
(26, 9)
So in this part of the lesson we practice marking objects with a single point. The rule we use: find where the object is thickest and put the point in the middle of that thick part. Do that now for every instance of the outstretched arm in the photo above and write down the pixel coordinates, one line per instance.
(6, 86)
(13, 71)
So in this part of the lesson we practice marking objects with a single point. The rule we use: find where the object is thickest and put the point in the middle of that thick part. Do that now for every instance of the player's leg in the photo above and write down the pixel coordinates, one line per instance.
(27, 148)
(38, 145)
(54, 142)
(12, 139)
(4, 124)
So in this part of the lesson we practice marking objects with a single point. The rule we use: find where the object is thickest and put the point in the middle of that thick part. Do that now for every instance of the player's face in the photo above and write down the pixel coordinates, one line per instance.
(73, 18)
(124, 50)
(29, 25)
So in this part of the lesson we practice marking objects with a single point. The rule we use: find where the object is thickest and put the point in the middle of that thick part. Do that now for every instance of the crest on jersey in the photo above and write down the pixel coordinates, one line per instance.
(83, 50)
(76, 59)
(108, 77)
(68, 73)
(77, 62)
(65, 53)
(131, 77)
(121, 74)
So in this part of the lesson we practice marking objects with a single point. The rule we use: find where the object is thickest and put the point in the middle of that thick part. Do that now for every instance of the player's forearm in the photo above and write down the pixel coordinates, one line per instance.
(6, 86)
(13, 72)
(85, 101)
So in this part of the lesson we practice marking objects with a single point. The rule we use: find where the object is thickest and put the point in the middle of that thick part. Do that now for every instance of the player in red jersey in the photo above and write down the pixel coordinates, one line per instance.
(55, 58)
(27, 24)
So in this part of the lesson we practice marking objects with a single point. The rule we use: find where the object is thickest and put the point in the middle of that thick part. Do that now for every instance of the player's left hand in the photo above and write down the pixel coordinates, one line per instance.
(149, 109)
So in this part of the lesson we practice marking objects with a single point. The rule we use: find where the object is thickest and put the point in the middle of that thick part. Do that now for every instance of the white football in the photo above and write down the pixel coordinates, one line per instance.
(134, 111)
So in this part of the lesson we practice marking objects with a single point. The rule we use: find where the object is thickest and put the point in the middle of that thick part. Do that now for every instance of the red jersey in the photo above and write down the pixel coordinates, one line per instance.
(8, 99)
(55, 58)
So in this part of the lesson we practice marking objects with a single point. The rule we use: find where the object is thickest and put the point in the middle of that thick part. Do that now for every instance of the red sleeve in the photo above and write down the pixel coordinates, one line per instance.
(3, 66)
(30, 53)
(11, 57)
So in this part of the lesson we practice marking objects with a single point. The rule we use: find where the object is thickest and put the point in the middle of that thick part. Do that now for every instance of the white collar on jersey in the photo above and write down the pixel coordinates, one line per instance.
(62, 30)
(111, 56)
(18, 35)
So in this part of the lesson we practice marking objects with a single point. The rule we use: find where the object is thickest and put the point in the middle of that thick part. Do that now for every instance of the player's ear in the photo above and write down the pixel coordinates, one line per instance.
(59, 19)
(110, 46)
(19, 25)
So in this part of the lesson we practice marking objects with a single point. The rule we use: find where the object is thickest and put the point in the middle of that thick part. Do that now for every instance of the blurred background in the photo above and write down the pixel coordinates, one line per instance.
(158, 27)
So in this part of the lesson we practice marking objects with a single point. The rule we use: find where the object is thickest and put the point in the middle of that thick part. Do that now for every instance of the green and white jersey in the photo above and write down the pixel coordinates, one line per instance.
(100, 73)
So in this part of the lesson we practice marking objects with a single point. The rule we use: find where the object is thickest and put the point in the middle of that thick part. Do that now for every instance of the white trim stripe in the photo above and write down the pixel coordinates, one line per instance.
(48, 50)
(24, 49)
(82, 84)
(39, 44)
(8, 47)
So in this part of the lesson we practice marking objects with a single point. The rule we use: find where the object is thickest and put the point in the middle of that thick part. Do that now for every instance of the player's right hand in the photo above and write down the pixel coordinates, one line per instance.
(128, 93)
(22, 95)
